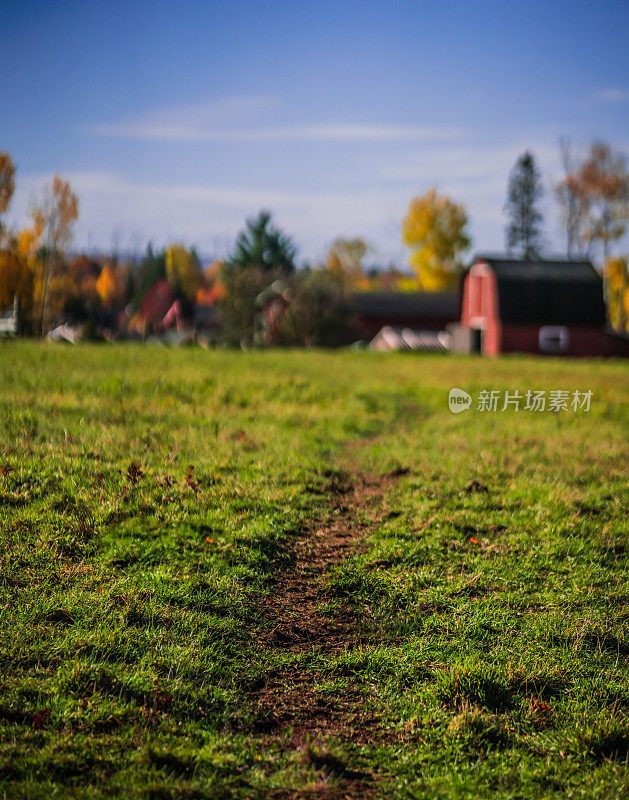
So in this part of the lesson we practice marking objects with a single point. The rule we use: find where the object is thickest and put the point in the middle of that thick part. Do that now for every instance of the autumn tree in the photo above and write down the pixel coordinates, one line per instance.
(261, 246)
(435, 229)
(13, 268)
(183, 271)
(617, 293)
(603, 185)
(16, 280)
(7, 185)
(73, 289)
(110, 286)
(345, 260)
(23, 265)
(55, 216)
(212, 288)
(524, 192)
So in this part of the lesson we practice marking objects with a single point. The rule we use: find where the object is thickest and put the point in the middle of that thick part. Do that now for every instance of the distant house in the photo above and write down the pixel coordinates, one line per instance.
(155, 304)
(9, 319)
(555, 307)
(419, 311)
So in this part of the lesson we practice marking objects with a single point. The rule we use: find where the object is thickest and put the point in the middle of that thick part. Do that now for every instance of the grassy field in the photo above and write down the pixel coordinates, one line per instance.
(159, 509)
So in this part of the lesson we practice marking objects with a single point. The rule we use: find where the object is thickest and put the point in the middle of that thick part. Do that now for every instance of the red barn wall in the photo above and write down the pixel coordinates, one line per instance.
(480, 307)
(582, 342)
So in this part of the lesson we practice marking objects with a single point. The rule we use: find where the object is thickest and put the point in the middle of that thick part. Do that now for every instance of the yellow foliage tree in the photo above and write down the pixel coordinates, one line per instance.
(28, 243)
(408, 284)
(20, 272)
(182, 271)
(27, 240)
(108, 286)
(434, 228)
(16, 280)
(617, 291)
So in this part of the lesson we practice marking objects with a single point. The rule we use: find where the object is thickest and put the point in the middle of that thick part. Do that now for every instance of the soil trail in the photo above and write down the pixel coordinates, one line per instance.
(294, 622)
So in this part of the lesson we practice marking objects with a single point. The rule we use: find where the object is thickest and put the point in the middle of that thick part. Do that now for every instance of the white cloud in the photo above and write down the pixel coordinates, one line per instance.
(472, 163)
(186, 122)
(229, 120)
(209, 215)
(613, 95)
(332, 132)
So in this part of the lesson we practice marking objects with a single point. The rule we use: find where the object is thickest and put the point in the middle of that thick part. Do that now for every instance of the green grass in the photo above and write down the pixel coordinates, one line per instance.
(147, 497)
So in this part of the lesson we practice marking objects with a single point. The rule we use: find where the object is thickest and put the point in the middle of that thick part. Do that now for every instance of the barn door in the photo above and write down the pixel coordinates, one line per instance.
(476, 344)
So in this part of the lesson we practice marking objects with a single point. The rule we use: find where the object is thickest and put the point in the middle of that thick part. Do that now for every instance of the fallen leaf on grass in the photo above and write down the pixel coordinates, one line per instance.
(40, 718)
(190, 481)
(539, 706)
(134, 473)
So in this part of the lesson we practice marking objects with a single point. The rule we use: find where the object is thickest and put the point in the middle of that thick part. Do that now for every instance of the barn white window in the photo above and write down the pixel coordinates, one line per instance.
(554, 339)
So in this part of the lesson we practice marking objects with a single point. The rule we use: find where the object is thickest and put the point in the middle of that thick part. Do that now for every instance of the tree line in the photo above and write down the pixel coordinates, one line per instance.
(261, 295)
(593, 196)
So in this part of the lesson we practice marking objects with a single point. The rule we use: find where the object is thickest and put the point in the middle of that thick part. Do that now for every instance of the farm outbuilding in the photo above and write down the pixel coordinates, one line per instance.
(419, 311)
(553, 307)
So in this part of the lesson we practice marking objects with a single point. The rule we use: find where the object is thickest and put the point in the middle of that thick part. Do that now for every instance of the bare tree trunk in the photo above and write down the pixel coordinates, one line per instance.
(51, 250)
(43, 325)
(622, 314)
(567, 197)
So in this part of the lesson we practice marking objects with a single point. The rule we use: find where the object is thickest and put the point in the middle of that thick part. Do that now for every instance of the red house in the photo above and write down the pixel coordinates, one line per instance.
(154, 306)
(554, 307)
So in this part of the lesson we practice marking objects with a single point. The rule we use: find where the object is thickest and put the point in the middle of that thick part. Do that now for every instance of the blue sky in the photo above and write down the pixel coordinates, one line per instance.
(176, 121)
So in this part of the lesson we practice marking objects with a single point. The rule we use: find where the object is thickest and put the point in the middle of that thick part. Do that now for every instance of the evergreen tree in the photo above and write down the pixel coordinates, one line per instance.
(523, 194)
(263, 247)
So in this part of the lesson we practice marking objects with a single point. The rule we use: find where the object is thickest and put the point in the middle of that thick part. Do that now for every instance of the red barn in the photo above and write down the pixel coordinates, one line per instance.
(554, 307)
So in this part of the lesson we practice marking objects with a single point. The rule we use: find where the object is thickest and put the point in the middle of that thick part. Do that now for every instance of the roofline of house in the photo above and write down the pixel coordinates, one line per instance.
(555, 259)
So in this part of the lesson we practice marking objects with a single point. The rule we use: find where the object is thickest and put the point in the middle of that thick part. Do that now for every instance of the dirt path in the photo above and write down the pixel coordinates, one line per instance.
(294, 622)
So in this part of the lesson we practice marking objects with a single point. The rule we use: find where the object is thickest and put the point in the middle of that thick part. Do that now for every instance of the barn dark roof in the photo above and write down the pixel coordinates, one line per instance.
(403, 305)
(548, 292)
